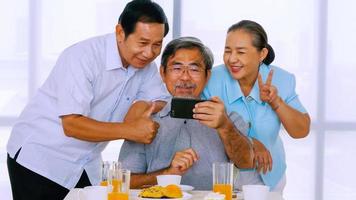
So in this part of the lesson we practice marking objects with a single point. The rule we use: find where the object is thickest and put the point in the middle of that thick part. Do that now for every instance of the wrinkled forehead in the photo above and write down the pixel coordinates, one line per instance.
(187, 56)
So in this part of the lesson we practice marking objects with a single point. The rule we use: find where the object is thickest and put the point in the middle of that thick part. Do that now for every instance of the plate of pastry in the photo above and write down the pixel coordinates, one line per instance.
(170, 192)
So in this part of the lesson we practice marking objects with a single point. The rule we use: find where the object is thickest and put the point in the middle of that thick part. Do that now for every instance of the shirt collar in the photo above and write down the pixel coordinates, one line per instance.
(255, 93)
(233, 89)
(113, 59)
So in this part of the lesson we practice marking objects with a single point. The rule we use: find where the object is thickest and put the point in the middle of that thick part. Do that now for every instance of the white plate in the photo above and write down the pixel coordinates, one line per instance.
(271, 196)
(185, 197)
(186, 187)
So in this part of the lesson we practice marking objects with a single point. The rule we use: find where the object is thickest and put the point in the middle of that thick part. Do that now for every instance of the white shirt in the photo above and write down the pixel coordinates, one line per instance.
(88, 79)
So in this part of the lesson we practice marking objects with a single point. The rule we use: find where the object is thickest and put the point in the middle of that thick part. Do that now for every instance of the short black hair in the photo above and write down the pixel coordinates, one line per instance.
(187, 43)
(142, 11)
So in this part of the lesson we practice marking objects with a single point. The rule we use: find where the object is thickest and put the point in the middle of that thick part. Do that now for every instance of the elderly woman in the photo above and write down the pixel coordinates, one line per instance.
(264, 95)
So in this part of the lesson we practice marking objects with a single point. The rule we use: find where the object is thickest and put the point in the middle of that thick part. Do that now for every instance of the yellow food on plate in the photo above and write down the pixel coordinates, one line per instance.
(152, 192)
(170, 191)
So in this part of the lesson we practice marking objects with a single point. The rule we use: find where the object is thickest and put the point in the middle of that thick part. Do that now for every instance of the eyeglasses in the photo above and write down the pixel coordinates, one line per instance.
(193, 70)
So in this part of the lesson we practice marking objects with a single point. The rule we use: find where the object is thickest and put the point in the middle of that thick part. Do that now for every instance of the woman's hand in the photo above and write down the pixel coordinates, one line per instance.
(268, 92)
(263, 158)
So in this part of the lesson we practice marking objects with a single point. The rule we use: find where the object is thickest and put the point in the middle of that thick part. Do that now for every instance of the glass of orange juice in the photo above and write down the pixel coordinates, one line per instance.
(222, 179)
(105, 168)
(120, 184)
(114, 174)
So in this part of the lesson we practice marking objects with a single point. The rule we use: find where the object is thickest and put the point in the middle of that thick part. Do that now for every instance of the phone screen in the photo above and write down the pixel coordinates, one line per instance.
(183, 107)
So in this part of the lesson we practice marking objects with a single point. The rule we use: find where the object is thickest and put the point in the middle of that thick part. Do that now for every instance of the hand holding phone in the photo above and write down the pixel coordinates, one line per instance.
(183, 107)
(212, 114)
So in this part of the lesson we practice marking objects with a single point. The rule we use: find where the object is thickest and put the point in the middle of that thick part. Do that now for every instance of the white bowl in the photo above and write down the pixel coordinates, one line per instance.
(255, 192)
(164, 180)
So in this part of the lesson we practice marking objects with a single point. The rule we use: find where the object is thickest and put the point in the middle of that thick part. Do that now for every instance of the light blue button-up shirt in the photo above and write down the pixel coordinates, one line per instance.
(265, 124)
(88, 79)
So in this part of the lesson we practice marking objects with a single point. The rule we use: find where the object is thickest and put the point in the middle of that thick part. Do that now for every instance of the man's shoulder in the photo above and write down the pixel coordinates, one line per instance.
(89, 54)
(88, 46)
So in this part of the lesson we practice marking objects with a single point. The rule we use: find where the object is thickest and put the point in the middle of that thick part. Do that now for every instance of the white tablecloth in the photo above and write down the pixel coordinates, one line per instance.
(196, 195)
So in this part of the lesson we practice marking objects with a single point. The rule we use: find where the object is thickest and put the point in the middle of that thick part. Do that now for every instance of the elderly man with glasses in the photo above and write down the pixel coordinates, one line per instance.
(188, 147)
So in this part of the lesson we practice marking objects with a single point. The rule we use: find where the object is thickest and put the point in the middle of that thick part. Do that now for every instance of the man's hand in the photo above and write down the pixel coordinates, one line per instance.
(238, 148)
(182, 161)
(142, 129)
(211, 113)
(139, 107)
(263, 158)
(180, 164)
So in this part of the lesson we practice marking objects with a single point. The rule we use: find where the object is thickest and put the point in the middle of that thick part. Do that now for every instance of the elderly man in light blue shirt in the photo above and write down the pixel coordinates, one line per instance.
(57, 141)
(188, 147)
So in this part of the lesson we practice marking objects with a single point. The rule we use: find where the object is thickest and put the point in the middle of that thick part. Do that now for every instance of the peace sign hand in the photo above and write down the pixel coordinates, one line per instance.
(268, 92)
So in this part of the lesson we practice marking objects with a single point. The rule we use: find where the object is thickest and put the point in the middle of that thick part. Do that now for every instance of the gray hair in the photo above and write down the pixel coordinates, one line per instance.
(259, 35)
(187, 43)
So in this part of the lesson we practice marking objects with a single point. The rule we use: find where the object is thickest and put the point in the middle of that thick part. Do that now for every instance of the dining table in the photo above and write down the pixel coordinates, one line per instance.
(193, 195)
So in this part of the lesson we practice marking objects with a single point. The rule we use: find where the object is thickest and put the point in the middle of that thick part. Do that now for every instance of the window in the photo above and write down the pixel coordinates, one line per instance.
(36, 33)
(304, 34)
(296, 32)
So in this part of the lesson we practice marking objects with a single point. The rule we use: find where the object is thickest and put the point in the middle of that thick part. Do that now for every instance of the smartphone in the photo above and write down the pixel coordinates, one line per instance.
(183, 107)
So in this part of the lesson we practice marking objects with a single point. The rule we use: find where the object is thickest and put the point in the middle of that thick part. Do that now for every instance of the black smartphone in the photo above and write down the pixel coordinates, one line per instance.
(183, 107)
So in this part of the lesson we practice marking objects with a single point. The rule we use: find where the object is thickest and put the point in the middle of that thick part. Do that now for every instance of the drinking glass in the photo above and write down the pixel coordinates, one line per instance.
(114, 173)
(223, 179)
(105, 170)
(121, 190)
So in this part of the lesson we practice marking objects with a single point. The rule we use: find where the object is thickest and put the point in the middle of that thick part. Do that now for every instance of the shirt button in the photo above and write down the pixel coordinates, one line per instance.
(249, 98)
(127, 98)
